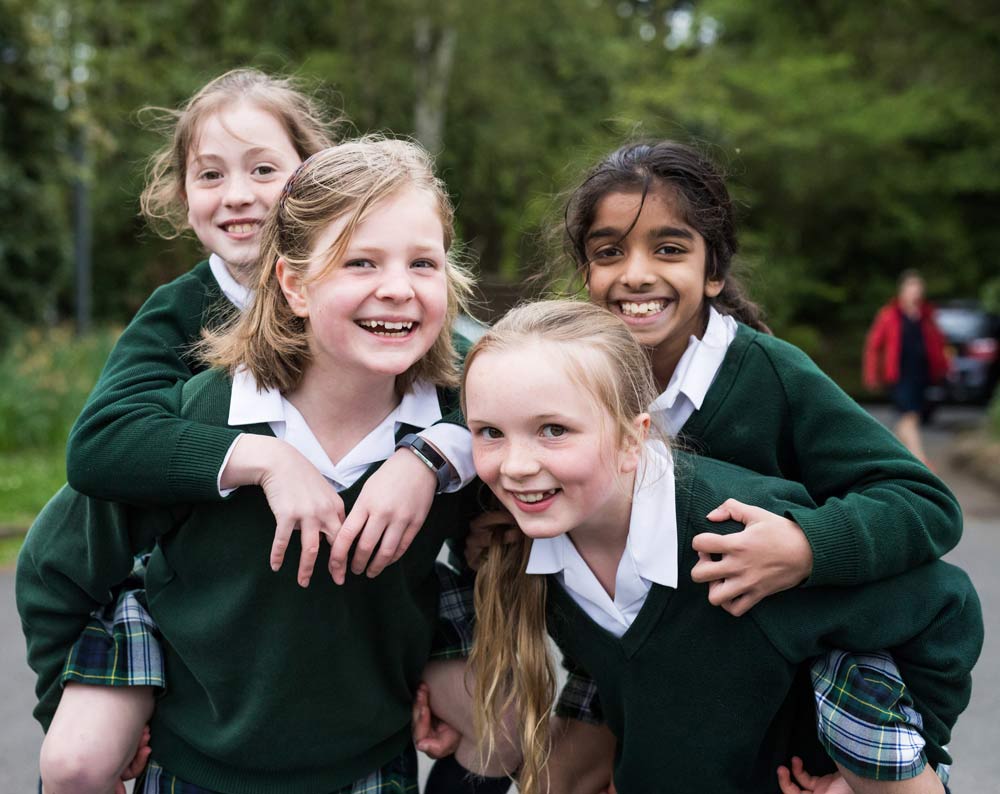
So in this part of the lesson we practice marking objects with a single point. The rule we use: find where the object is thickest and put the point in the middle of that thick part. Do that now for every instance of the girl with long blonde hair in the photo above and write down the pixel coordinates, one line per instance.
(695, 696)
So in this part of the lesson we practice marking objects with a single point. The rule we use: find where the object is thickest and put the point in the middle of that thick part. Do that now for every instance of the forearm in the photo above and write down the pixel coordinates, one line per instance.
(582, 757)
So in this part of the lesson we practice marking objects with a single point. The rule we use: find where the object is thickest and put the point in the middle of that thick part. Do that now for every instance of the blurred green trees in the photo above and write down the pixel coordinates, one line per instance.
(860, 138)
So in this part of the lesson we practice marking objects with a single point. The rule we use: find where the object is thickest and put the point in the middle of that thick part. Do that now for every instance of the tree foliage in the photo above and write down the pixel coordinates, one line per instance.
(860, 139)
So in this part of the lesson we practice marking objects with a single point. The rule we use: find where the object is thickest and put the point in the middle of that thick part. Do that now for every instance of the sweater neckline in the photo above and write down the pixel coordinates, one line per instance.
(725, 380)
(659, 595)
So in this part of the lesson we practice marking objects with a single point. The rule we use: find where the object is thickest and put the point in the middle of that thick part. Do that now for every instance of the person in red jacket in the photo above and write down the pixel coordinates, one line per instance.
(905, 352)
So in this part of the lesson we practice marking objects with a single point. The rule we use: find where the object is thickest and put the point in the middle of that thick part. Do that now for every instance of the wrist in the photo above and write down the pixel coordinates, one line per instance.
(431, 458)
(251, 460)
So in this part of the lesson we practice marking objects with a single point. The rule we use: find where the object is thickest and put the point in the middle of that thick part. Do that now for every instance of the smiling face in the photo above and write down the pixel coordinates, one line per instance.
(236, 168)
(651, 274)
(381, 304)
(542, 443)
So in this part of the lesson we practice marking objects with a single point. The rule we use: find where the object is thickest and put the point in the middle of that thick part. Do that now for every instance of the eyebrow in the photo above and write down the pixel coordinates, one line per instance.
(663, 231)
(537, 418)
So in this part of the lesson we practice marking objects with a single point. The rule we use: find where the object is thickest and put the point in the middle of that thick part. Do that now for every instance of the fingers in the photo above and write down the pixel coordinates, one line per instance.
(785, 782)
(421, 715)
(734, 510)
(388, 546)
(309, 531)
(803, 778)
(393, 547)
(282, 535)
(708, 569)
(341, 546)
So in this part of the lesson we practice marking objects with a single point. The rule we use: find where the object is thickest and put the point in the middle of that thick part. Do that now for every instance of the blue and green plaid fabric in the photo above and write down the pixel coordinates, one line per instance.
(866, 718)
(456, 614)
(120, 646)
(399, 776)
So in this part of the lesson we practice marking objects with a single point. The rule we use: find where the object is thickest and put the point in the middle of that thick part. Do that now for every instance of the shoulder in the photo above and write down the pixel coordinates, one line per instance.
(205, 397)
(760, 356)
(710, 482)
(190, 293)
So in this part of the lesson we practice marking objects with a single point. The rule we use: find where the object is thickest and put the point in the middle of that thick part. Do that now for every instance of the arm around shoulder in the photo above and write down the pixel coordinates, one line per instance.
(880, 510)
(130, 423)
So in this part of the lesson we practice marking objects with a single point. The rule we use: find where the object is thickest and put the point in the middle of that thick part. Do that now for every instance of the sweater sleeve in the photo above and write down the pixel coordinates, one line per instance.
(880, 510)
(128, 443)
(62, 577)
(929, 618)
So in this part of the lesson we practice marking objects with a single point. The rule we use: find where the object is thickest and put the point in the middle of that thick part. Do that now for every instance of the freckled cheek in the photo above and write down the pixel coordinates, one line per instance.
(487, 465)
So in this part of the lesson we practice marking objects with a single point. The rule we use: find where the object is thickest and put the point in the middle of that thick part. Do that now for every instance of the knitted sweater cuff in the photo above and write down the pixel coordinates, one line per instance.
(836, 555)
(193, 475)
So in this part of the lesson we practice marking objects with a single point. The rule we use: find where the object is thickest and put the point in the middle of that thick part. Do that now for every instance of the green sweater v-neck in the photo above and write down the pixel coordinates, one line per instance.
(698, 699)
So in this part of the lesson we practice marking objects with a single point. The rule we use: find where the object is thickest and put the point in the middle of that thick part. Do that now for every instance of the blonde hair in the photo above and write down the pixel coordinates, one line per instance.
(309, 130)
(344, 181)
(510, 658)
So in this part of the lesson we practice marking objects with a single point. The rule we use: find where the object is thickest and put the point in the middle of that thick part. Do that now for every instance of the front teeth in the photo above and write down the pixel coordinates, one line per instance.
(380, 327)
(531, 498)
(642, 309)
(240, 228)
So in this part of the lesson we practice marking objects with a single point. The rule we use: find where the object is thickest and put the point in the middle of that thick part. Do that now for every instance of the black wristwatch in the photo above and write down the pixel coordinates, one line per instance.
(434, 460)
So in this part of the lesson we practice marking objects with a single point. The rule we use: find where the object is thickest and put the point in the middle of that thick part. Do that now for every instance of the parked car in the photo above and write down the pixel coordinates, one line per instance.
(972, 344)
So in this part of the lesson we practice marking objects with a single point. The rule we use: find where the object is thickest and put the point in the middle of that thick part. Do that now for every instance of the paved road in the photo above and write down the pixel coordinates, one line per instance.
(976, 739)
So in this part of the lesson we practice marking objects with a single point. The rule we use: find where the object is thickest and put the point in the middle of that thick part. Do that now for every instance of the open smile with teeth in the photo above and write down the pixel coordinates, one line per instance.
(537, 496)
(240, 228)
(633, 309)
(386, 328)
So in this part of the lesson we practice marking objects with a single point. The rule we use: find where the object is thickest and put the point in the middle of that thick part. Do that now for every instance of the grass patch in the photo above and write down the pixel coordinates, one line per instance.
(9, 547)
(28, 479)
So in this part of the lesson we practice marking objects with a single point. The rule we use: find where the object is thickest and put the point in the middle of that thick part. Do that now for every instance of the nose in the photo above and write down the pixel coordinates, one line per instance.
(637, 271)
(519, 461)
(395, 284)
(238, 191)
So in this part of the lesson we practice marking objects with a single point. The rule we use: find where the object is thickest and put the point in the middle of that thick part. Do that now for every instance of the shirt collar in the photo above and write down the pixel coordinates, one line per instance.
(237, 294)
(248, 405)
(700, 363)
(652, 530)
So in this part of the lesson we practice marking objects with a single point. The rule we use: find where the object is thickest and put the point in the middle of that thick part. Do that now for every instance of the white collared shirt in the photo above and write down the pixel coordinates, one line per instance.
(650, 550)
(419, 407)
(237, 294)
(695, 373)
(453, 441)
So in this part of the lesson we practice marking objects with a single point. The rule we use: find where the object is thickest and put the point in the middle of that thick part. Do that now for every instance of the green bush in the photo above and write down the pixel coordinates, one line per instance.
(46, 377)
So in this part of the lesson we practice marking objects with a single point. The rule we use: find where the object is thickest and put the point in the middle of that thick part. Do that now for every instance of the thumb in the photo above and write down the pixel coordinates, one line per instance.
(734, 510)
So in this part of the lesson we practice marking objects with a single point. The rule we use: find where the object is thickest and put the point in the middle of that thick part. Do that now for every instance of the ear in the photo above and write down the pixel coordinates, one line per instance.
(632, 452)
(292, 287)
(713, 288)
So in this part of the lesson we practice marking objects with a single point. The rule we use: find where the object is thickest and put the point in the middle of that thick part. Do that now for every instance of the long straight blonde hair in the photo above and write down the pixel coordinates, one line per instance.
(514, 674)
(343, 181)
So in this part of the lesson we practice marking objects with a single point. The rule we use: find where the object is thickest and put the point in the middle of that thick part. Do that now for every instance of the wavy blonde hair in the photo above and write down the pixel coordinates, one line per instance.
(514, 674)
(344, 181)
(310, 128)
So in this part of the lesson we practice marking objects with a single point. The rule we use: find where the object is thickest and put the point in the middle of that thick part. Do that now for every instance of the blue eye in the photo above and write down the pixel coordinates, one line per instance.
(554, 431)
(362, 263)
(424, 263)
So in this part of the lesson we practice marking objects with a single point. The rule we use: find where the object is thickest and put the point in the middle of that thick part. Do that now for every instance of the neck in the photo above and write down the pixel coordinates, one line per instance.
(665, 357)
(239, 272)
(601, 541)
(342, 407)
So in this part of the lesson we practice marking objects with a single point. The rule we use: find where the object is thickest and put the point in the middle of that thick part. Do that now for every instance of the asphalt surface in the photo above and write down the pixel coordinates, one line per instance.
(975, 742)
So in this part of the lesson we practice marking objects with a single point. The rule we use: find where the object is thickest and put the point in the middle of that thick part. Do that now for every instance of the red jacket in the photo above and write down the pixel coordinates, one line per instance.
(882, 347)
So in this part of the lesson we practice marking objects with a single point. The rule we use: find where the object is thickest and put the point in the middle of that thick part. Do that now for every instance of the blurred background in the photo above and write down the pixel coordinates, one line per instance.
(859, 139)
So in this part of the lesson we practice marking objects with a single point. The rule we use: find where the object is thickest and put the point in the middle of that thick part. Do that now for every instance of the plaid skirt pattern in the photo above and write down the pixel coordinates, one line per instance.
(120, 645)
(456, 613)
(866, 718)
(399, 776)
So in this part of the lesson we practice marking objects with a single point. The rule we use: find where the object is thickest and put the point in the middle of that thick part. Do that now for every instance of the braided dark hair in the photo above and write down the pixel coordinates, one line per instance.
(701, 199)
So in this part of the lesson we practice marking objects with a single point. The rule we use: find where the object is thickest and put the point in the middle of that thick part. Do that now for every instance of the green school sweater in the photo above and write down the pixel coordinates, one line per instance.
(270, 687)
(773, 411)
(130, 421)
(697, 698)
